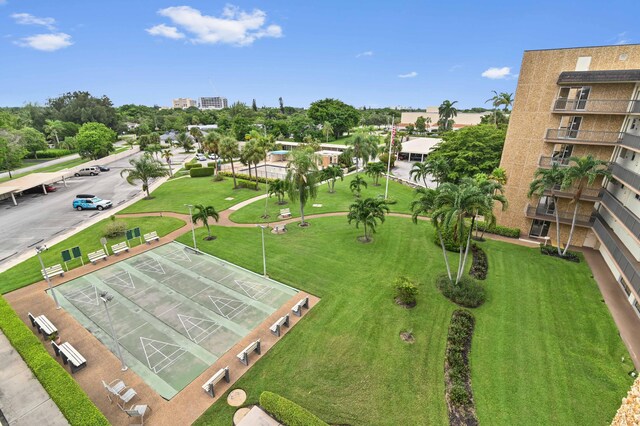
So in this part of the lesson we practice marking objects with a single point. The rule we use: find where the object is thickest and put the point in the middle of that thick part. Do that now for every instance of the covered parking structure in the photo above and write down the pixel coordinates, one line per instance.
(21, 184)
(418, 149)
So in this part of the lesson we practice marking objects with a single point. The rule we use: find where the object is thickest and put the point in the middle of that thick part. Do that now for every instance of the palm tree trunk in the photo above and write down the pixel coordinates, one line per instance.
(208, 229)
(573, 226)
(466, 253)
(233, 173)
(365, 232)
(301, 214)
(557, 215)
(444, 253)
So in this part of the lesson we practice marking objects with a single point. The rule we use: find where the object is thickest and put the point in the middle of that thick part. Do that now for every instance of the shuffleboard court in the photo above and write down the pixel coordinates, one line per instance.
(175, 311)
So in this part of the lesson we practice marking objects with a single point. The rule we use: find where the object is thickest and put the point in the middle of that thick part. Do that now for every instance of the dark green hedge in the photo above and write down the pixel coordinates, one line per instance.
(468, 292)
(287, 412)
(190, 166)
(499, 230)
(74, 404)
(246, 177)
(51, 153)
(201, 172)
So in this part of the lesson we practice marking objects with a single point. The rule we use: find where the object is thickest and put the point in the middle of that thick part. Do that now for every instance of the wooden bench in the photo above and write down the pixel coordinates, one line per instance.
(244, 355)
(151, 236)
(279, 229)
(119, 248)
(97, 255)
(297, 308)
(285, 213)
(44, 326)
(222, 373)
(283, 321)
(70, 356)
(52, 270)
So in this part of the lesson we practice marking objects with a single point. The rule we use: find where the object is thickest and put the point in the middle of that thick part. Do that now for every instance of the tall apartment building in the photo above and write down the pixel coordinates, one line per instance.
(574, 102)
(184, 103)
(215, 102)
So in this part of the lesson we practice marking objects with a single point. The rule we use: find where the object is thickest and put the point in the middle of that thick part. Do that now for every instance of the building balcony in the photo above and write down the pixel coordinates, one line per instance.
(624, 215)
(584, 221)
(582, 137)
(604, 76)
(626, 177)
(588, 194)
(621, 255)
(596, 106)
(545, 162)
(630, 141)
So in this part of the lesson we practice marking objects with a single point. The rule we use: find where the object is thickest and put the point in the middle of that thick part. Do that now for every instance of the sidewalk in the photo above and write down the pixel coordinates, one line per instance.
(23, 400)
(40, 165)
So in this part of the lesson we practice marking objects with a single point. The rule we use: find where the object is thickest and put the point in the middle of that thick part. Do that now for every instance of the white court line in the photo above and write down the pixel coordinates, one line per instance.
(129, 332)
(101, 311)
(135, 294)
(170, 309)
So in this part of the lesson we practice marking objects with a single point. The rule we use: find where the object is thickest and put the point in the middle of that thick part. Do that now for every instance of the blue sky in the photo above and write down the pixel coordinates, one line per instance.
(374, 53)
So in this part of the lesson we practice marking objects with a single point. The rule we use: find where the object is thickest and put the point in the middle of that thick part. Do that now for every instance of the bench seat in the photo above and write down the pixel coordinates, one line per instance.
(243, 356)
(297, 308)
(285, 213)
(119, 248)
(151, 236)
(52, 270)
(44, 326)
(222, 373)
(97, 255)
(283, 321)
(70, 356)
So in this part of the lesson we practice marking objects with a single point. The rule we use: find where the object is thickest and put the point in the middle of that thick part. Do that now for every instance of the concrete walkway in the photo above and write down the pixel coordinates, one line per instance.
(40, 165)
(23, 400)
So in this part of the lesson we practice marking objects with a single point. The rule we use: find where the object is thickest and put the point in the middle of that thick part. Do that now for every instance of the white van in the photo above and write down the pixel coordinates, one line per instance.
(88, 171)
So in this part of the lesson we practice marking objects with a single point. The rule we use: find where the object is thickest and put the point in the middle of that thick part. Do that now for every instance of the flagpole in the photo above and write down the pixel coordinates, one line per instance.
(393, 134)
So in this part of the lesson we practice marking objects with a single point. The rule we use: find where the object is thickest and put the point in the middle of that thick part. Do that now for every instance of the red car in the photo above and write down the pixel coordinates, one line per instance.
(38, 189)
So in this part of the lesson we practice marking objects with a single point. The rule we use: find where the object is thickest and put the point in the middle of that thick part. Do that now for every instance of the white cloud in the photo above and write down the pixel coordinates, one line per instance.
(163, 30)
(622, 38)
(494, 73)
(46, 42)
(29, 19)
(234, 26)
(367, 53)
(455, 67)
(408, 75)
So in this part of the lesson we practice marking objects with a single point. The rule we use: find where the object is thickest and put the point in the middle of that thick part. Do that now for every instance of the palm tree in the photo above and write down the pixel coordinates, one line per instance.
(419, 171)
(278, 187)
(356, 185)
(327, 129)
(203, 214)
(549, 180)
(246, 153)
(368, 212)
(331, 174)
(583, 173)
(364, 147)
(197, 135)
(505, 99)
(211, 143)
(301, 178)
(499, 175)
(495, 191)
(438, 168)
(53, 128)
(184, 140)
(167, 154)
(228, 151)
(447, 111)
(375, 170)
(495, 102)
(144, 169)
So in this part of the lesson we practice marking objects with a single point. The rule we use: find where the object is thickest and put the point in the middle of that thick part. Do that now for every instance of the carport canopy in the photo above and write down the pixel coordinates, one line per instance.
(417, 149)
(15, 186)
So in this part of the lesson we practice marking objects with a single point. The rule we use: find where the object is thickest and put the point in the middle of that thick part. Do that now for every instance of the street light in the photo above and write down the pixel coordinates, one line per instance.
(106, 297)
(264, 256)
(193, 231)
(40, 249)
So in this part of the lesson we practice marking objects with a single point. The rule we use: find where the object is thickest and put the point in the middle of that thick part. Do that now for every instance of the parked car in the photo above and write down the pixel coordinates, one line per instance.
(213, 157)
(88, 171)
(103, 168)
(201, 157)
(94, 203)
(38, 189)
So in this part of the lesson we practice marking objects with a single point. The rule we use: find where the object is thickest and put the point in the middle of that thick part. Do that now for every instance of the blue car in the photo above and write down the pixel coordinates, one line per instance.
(94, 203)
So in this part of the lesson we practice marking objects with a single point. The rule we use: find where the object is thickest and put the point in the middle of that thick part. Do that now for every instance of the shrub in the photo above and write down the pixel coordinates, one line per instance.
(571, 256)
(190, 166)
(247, 184)
(218, 178)
(468, 292)
(456, 367)
(114, 229)
(247, 177)
(351, 169)
(498, 230)
(74, 404)
(288, 412)
(450, 239)
(406, 291)
(52, 153)
(480, 265)
(384, 158)
(201, 172)
(213, 164)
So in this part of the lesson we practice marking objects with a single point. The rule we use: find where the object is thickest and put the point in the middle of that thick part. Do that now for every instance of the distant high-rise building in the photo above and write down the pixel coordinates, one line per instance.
(184, 103)
(214, 102)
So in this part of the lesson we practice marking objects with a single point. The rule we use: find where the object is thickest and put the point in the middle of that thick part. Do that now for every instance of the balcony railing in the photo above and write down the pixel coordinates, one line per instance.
(588, 194)
(625, 176)
(624, 215)
(582, 220)
(627, 264)
(590, 137)
(630, 141)
(597, 106)
(546, 162)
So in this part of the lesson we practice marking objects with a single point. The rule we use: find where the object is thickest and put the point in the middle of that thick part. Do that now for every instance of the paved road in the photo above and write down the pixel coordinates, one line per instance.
(40, 165)
(39, 217)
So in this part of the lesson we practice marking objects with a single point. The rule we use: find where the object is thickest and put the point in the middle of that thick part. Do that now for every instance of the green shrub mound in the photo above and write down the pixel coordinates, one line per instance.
(498, 230)
(450, 239)
(406, 292)
(287, 412)
(213, 164)
(190, 166)
(571, 256)
(247, 177)
(51, 153)
(74, 404)
(468, 292)
(480, 265)
(247, 184)
(201, 172)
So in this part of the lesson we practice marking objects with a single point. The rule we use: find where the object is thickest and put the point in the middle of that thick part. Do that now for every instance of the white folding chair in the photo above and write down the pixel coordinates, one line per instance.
(138, 412)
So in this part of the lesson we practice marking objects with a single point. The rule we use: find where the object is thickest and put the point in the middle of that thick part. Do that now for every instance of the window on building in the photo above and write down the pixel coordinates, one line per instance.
(546, 205)
(583, 63)
(539, 228)
(623, 153)
(637, 196)
(625, 287)
(637, 306)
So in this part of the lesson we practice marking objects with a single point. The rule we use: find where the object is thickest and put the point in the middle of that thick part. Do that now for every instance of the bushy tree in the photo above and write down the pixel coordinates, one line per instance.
(95, 140)
(144, 169)
(301, 179)
(32, 140)
(11, 153)
(81, 107)
(341, 116)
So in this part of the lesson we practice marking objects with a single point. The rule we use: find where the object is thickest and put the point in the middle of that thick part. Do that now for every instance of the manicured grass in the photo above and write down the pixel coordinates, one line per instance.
(175, 193)
(339, 201)
(52, 168)
(545, 349)
(88, 240)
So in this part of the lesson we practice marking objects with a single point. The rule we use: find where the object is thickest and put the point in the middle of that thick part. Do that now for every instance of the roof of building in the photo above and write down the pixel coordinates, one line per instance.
(29, 181)
(420, 145)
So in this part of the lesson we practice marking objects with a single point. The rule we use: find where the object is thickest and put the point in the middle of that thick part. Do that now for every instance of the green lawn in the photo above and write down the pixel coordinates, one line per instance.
(52, 168)
(336, 202)
(88, 240)
(175, 193)
(545, 350)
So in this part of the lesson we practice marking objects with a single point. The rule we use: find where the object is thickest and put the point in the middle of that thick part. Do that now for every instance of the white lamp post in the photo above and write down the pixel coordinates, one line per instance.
(106, 297)
(193, 231)
(40, 249)
(264, 255)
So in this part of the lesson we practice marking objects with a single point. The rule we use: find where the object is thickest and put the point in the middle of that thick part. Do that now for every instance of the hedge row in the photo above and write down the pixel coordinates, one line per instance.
(201, 171)
(288, 412)
(247, 177)
(468, 292)
(190, 166)
(499, 230)
(52, 153)
(480, 265)
(74, 404)
(553, 251)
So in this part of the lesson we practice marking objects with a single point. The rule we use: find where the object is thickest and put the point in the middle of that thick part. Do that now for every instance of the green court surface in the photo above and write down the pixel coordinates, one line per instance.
(175, 311)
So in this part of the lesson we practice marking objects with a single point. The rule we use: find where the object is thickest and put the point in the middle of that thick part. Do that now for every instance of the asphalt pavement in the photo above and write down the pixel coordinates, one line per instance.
(37, 218)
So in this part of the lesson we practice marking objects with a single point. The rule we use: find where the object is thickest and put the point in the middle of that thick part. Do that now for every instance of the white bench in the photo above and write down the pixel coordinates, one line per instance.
(70, 356)
(97, 255)
(279, 229)
(119, 248)
(297, 308)
(222, 373)
(285, 213)
(283, 321)
(44, 326)
(151, 236)
(244, 355)
(52, 270)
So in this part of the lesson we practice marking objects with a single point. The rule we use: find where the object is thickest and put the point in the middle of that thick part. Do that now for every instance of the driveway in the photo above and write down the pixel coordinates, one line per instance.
(402, 169)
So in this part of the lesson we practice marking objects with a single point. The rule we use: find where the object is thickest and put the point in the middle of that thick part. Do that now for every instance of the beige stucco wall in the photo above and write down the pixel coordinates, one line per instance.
(532, 116)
